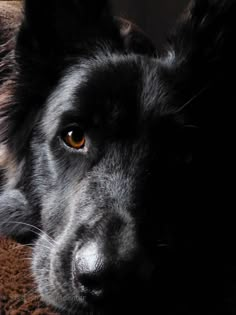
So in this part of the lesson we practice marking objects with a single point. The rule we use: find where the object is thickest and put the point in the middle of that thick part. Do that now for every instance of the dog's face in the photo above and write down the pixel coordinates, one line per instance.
(104, 139)
(94, 150)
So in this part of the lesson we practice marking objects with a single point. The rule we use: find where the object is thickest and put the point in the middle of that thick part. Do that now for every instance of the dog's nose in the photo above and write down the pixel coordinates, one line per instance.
(89, 269)
(98, 276)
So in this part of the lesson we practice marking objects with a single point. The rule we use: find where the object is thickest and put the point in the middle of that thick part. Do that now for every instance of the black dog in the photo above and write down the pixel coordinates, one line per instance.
(119, 158)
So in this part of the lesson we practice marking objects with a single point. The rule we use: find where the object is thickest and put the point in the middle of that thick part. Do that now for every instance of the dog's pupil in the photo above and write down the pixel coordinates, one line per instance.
(76, 135)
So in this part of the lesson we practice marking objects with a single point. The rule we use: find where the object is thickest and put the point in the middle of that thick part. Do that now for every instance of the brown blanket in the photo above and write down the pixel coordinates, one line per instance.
(18, 294)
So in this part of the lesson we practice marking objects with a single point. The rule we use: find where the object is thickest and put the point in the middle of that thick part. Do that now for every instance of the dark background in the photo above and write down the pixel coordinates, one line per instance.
(155, 17)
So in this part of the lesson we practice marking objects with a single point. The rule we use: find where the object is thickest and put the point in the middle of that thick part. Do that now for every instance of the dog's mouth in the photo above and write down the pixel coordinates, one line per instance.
(75, 278)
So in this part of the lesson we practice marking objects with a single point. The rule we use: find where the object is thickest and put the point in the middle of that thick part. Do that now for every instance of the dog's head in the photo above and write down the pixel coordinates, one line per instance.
(104, 133)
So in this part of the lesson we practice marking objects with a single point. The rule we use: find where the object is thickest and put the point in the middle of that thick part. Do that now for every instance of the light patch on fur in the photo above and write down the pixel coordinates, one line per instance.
(12, 171)
(4, 156)
(6, 94)
(8, 165)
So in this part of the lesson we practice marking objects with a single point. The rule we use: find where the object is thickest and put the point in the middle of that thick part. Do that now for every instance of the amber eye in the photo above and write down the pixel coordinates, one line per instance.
(74, 137)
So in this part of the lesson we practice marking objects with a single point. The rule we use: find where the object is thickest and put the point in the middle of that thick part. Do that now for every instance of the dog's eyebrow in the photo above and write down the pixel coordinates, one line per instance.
(74, 116)
(61, 99)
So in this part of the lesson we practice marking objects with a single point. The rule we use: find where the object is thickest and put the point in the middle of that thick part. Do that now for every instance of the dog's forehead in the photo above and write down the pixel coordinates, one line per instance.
(129, 82)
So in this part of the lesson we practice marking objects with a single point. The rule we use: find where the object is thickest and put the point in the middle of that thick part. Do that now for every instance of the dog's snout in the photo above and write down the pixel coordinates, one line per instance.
(100, 276)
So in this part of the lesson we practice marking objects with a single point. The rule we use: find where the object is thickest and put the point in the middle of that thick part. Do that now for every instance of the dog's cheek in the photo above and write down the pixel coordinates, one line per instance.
(51, 190)
(52, 269)
(68, 207)
(55, 213)
(50, 282)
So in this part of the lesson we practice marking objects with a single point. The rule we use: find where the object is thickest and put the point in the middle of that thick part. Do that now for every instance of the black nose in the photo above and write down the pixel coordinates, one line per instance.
(99, 276)
(89, 270)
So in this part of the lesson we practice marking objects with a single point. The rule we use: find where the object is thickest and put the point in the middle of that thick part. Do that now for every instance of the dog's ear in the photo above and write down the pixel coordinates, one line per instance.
(203, 41)
(51, 26)
(134, 39)
(200, 60)
(64, 26)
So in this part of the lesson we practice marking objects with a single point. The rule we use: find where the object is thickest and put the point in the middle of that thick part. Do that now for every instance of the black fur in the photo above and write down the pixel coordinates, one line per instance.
(130, 220)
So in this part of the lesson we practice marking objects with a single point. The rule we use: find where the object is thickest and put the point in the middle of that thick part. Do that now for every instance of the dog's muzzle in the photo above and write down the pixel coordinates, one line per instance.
(101, 277)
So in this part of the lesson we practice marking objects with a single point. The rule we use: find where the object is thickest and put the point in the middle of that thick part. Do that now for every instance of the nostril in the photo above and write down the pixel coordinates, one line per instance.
(90, 281)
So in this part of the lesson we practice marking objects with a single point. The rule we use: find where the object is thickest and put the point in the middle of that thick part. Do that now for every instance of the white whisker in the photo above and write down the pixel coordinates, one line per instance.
(189, 102)
(42, 233)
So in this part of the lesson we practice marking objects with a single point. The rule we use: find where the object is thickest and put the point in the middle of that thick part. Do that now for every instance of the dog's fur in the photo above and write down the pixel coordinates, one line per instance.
(135, 209)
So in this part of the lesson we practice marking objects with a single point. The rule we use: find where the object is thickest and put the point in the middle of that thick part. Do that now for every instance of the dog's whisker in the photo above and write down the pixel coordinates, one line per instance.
(32, 245)
(48, 238)
(17, 246)
(29, 246)
(40, 270)
(46, 247)
(26, 259)
(191, 126)
(162, 245)
(191, 100)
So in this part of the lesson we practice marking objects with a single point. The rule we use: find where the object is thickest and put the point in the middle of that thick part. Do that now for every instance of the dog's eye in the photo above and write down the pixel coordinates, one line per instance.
(74, 137)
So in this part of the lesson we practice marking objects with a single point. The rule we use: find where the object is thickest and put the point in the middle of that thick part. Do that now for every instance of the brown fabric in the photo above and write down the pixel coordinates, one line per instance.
(10, 13)
(17, 289)
(10, 18)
